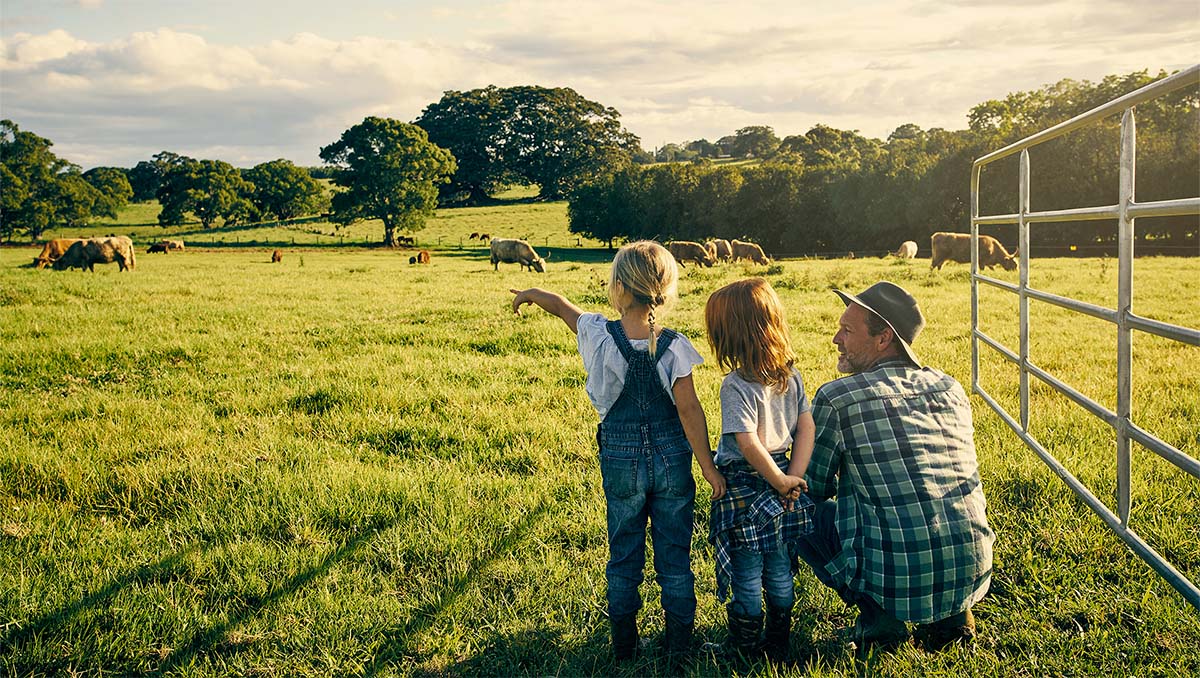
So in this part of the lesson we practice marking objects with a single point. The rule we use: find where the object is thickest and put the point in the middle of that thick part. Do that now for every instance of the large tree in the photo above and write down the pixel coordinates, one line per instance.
(470, 125)
(552, 137)
(37, 188)
(285, 191)
(390, 171)
(210, 189)
(758, 141)
(114, 189)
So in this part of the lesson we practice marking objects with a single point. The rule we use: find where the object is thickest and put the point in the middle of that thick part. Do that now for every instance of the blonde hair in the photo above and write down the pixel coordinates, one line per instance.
(648, 273)
(748, 332)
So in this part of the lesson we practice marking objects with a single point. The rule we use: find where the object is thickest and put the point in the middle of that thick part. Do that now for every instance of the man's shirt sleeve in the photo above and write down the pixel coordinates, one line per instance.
(827, 450)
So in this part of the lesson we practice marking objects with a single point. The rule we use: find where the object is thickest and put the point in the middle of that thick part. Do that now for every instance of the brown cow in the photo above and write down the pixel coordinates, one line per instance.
(405, 240)
(485, 237)
(906, 250)
(684, 250)
(749, 250)
(957, 247)
(276, 257)
(163, 247)
(473, 236)
(724, 252)
(52, 250)
(423, 257)
(87, 253)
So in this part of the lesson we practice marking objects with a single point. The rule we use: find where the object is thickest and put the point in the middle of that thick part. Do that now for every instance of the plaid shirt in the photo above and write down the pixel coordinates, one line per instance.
(751, 516)
(896, 446)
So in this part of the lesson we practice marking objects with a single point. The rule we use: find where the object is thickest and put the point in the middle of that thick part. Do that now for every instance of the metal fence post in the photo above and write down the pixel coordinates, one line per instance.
(974, 280)
(1023, 285)
(1124, 308)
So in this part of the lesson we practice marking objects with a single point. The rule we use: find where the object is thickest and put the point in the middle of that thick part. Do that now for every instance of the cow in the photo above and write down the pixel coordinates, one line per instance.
(473, 236)
(87, 253)
(749, 250)
(52, 250)
(423, 257)
(412, 260)
(957, 247)
(405, 240)
(276, 257)
(722, 249)
(906, 250)
(158, 247)
(485, 237)
(684, 250)
(712, 249)
(514, 251)
(174, 244)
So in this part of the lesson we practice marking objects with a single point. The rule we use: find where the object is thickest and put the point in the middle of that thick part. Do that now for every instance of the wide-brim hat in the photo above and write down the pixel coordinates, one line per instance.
(896, 307)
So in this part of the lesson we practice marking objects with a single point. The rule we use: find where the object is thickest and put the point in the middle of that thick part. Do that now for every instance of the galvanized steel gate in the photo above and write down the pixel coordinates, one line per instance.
(1123, 316)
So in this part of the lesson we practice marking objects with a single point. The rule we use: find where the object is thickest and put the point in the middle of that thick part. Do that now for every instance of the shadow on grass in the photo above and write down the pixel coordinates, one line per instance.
(56, 619)
(398, 648)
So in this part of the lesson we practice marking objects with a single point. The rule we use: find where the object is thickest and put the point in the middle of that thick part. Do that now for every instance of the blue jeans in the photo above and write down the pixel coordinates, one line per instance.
(820, 547)
(756, 575)
(650, 482)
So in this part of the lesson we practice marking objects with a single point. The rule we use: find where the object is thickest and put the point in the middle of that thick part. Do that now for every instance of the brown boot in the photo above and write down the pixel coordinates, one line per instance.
(876, 627)
(777, 633)
(624, 636)
(941, 633)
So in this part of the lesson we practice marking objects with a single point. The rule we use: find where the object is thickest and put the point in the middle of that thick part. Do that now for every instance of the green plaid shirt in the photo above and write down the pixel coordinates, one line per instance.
(895, 445)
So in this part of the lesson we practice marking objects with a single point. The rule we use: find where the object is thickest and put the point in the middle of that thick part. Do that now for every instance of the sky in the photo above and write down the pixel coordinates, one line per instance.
(112, 82)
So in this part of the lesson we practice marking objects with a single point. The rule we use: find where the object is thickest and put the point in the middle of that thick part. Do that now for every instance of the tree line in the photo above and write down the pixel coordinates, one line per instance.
(836, 190)
(824, 190)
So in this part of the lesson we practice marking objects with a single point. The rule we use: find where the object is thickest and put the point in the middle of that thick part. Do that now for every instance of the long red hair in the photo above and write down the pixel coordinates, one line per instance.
(748, 332)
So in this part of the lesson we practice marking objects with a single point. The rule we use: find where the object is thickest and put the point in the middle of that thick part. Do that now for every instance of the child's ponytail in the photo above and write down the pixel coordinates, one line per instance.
(648, 273)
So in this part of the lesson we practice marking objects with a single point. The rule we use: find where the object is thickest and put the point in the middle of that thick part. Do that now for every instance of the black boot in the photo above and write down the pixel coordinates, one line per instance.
(678, 640)
(624, 636)
(777, 635)
(743, 641)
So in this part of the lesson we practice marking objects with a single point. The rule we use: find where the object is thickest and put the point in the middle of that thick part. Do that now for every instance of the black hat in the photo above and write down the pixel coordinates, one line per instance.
(896, 307)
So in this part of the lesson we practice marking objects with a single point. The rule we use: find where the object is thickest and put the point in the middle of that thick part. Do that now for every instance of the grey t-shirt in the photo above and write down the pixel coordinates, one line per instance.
(748, 406)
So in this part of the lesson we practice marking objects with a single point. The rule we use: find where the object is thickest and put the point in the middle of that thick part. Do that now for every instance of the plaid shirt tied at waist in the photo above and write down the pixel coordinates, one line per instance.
(751, 516)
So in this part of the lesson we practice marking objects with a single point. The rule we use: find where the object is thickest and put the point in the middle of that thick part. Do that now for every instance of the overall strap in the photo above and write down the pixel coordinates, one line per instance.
(664, 343)
(618, 334)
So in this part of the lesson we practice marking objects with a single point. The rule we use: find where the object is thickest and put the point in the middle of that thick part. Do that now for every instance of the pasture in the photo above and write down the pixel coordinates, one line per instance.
(342, 464)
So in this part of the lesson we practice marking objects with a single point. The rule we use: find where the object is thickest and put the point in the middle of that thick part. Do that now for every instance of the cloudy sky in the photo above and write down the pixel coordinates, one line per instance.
(112, 82)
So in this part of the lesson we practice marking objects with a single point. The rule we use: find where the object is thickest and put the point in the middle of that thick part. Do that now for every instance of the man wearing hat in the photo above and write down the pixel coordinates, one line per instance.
(901, 529)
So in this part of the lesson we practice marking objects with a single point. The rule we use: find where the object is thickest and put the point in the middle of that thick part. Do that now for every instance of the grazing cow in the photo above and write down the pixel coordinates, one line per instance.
(485, 237)
(473, 236)
(87, 253)
(405, 240)
(52, 250)
(957, 247)
(159, 247)
(412, 260)
(712, 249)
(906, 250)
(423, 257)
(276, 257)
(174, 244)
(749, 250)
(514, 251)
(684, 250)
(723, 249)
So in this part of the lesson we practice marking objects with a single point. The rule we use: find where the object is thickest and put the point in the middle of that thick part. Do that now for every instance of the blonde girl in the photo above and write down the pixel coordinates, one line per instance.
(639, 378)
(765, 446)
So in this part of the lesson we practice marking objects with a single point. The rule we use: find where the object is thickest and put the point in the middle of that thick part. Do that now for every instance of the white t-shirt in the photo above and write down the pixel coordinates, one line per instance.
(606, 366)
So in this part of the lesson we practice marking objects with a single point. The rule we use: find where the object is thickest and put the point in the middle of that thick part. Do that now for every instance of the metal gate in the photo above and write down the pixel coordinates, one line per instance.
(1126, 321)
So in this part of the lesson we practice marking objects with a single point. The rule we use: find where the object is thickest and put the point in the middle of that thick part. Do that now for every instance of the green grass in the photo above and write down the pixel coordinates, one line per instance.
(517, 214)
(346, 465)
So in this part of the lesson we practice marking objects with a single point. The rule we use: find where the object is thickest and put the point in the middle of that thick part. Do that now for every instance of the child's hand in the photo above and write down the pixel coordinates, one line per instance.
(523, 297)
(786, 484)
(717, 482)
(788, 500)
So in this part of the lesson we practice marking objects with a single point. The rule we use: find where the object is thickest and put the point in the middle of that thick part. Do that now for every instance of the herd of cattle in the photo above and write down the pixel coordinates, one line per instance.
(81, 253)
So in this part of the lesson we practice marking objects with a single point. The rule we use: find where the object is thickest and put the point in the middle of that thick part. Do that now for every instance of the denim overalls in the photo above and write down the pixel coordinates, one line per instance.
(646, 464)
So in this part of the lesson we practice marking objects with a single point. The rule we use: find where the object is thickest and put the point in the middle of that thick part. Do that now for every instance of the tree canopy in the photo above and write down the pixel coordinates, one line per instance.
(210, 189)
(552, 137)
(390, 171)
(285, 191)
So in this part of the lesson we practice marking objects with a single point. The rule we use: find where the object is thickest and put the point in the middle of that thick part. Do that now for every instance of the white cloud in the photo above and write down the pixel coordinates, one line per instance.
(675, 71)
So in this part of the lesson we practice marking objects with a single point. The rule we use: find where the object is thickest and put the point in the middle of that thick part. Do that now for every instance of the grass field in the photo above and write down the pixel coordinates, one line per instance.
(345, 465)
